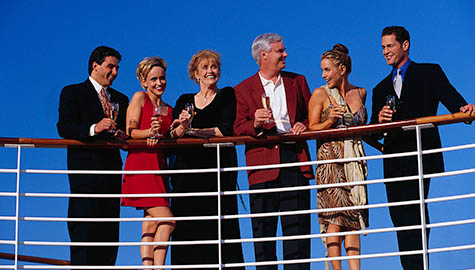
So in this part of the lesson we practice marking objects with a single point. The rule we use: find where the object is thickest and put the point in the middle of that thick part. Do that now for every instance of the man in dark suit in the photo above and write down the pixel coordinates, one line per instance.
(417, 89)
(289, 95)
(85, 114)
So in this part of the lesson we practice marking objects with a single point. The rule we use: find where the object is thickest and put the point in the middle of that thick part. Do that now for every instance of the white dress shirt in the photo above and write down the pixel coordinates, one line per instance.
(278, 103)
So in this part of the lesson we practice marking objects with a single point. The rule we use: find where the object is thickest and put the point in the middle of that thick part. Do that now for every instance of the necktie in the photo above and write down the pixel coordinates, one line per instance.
(397, 83)
(106, 104)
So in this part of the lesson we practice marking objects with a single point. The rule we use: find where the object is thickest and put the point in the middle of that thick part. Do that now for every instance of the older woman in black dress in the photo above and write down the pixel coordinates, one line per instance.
(213, 115)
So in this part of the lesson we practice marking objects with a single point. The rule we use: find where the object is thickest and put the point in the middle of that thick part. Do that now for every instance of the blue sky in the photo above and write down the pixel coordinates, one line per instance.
(45, 45)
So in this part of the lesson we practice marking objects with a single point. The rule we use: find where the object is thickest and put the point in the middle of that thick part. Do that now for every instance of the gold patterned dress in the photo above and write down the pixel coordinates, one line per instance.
(332, 173)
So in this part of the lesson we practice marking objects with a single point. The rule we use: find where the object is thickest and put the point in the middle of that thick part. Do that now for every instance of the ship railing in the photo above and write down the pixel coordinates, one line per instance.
(417, 124)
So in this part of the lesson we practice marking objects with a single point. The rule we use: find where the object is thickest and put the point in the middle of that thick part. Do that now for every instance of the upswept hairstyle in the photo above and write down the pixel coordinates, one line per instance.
(146, 65)
(99, 54)
(196, 59)
(399, 31)
(339, 56)
(262, 43)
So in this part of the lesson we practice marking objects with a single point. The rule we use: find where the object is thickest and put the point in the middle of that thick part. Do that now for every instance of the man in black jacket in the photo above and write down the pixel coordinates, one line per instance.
(417, 90)
(86, 114)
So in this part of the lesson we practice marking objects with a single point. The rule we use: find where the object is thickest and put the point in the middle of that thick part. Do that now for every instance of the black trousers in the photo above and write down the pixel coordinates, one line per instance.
(292, 224)
(93, 231)
(408, 215)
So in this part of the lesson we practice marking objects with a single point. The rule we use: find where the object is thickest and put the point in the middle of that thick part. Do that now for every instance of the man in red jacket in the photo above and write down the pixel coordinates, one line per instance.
(287, 113)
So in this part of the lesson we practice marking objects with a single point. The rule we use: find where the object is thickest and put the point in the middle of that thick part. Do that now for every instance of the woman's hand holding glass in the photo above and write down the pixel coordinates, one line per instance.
(336, 113)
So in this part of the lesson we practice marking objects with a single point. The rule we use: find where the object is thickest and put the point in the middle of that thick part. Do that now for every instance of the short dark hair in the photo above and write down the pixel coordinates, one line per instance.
(100, 53)
(399, 31)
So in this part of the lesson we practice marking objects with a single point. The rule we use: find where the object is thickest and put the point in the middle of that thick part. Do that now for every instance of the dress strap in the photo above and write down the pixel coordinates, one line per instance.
(359, 93)
(327, 90)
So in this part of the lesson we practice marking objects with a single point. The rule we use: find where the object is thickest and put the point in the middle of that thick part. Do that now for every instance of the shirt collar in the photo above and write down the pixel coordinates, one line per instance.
(265, 82)
(403, 69)
(96, 85)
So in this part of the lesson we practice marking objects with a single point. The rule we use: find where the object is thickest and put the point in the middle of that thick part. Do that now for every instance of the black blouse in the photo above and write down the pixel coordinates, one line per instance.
(220, 113)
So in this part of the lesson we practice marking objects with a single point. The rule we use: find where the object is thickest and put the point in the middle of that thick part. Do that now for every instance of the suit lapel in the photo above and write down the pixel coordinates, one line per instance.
(407, 81)
(96, 105)
(258, 90)
(290, 97)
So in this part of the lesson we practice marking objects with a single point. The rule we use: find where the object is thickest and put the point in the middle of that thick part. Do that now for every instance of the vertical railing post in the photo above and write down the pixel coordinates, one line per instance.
(422, 197)
(218, 167)
(17, 203)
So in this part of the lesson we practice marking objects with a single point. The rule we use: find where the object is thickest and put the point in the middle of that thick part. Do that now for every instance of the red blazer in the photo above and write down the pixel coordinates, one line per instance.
(248, 100)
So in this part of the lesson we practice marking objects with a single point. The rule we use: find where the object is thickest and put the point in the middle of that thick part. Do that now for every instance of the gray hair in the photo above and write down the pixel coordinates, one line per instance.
(262, 43)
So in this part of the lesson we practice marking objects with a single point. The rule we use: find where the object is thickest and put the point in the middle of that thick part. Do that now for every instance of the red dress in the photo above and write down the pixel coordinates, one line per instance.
(146, 160)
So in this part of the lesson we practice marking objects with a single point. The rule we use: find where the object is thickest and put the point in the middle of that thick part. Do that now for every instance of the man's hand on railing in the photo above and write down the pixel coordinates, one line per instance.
(298, 128)
(469, 108)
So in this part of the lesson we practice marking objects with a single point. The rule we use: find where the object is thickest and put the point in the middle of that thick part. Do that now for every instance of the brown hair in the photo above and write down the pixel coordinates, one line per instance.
(196, 59)
(339, 56)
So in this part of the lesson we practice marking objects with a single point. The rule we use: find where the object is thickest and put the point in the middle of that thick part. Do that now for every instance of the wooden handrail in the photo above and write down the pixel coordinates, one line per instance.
(33, 259)
(239, 140)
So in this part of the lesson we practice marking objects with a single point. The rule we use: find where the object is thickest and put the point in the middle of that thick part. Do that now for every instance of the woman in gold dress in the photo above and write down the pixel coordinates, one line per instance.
(339, 104)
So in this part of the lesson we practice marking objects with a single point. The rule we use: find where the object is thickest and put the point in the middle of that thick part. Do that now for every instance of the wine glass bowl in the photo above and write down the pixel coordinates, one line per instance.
(391, 102)
(159, 111)
(190, 108)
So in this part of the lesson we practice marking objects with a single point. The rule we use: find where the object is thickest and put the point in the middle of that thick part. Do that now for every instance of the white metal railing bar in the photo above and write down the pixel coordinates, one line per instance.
(451, 198)
(283, 213)
(366, 182)
(451, 223)
(7, 242)
(220, 246)
(8, 170)
(422, 206)
(373, 157)
(250, 240)
(8, 194)
(455, 248)
(17, 204)
(39, 171)
(231, 265)
(450, 173)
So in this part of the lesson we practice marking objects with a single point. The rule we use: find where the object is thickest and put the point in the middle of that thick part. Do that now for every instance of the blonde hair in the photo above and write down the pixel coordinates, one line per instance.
(339, 56)
(196, 59)
(146, 65)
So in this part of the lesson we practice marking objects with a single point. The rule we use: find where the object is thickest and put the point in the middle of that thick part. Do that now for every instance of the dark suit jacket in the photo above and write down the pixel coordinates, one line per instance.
(248, 100)
(79, 108)
(424, 86)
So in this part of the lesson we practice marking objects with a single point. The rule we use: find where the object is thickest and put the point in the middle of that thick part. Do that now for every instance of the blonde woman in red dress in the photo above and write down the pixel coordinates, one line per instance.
(149, 117)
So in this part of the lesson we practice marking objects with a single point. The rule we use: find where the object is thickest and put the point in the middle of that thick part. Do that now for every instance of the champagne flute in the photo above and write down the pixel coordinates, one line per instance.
(114, 112)
(266, 104)
(340, 122)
